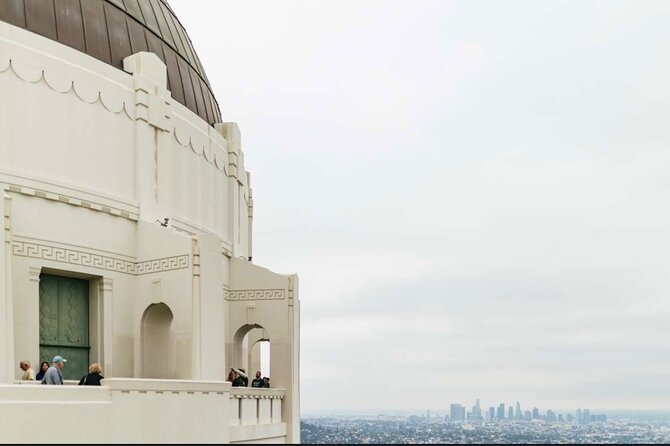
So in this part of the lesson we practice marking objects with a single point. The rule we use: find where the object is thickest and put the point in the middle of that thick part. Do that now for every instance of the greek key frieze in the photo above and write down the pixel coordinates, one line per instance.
(159, 265)
(98, 261)
(245, 295)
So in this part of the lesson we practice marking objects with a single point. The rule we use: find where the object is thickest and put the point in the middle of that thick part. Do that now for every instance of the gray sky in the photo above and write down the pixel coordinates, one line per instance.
(474, 193)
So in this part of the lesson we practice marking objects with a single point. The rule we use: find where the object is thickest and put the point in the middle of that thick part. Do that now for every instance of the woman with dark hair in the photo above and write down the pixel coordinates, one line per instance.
(43, 369)
(235, 377)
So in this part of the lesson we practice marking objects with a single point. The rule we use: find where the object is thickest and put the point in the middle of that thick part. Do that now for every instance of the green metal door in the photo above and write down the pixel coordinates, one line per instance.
(64, 323)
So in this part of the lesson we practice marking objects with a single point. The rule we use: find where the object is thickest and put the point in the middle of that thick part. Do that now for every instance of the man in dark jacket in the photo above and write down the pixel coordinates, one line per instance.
(257, 382)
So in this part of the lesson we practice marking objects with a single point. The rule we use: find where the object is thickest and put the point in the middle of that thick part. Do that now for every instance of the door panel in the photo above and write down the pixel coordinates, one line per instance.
(64, 323)
(48, 310)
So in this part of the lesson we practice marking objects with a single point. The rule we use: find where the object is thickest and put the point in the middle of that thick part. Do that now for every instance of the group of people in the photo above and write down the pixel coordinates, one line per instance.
(52, 374)
(239, 378)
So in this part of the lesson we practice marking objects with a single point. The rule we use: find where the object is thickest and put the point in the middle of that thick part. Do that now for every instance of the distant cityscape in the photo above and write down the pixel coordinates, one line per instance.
(496, 425)
(458, 413)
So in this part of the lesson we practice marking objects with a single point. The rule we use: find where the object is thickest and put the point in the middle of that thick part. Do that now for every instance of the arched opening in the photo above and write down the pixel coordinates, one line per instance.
(252, 351)
(264, 347)
(258, 355)
(158, 347)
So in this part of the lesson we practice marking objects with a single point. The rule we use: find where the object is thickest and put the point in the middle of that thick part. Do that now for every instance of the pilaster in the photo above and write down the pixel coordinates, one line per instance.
(197, 309)
(106, 294)
(152, 117)
(6, 296)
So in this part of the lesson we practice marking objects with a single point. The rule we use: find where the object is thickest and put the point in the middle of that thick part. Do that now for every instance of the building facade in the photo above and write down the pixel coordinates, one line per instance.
(127, 217)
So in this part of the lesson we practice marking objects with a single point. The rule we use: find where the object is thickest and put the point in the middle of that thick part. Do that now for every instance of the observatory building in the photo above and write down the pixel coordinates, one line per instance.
(127, 238)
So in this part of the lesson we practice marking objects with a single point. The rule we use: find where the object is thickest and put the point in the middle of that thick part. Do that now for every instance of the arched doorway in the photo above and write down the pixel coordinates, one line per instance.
(251, 350)
(158, 349)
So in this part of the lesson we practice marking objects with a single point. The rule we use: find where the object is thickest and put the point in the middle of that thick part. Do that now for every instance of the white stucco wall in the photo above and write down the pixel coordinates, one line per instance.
(90, 158)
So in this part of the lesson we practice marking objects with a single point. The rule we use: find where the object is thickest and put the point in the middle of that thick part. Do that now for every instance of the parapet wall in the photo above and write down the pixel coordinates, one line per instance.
(138, 410)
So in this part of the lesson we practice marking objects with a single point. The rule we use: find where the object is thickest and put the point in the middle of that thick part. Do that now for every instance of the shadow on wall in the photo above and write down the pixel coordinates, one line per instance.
(158, 344)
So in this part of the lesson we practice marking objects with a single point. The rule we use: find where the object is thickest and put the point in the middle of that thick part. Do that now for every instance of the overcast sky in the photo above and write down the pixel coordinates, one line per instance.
(475, 194)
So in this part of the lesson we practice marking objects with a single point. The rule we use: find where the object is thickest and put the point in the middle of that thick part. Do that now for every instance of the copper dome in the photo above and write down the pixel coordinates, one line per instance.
(111, 30)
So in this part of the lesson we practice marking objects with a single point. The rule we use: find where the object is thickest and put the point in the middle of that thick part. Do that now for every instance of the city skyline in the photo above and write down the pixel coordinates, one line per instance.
(517, 412)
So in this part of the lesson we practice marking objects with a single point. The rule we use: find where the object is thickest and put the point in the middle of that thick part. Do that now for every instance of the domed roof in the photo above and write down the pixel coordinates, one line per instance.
(111, 30)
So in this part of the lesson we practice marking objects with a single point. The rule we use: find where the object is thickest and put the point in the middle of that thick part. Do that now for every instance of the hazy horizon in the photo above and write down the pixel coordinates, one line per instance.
(617, 413)
(473, 194)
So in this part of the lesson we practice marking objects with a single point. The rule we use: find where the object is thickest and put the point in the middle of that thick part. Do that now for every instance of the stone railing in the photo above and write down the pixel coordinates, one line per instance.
(256, 414)
(119, 411)
(125, 410)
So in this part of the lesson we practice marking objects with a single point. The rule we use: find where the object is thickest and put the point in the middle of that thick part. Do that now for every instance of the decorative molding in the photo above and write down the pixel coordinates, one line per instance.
(258, 394)
(98, 261)
(106, 285)
(200, 141)
(226, 249)
(162, 265)
(251, 314)
(251, 295)
(116, 95)
(155, 110)
(73, 201)
(291, 289)
(82, 88)
(156, 291)
(7, 218)
(34, 274)
(73, 257)
(196, 261)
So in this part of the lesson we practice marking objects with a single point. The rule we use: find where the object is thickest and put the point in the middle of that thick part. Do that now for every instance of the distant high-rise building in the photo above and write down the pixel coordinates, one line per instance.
(527, 415)
(568, 418)
(476, 414)
(492, 413)
(519, 414)
(578, 416)
(551, 416)
(536, 413)
(477, 409)
(600, 418)
(457, 412)
(501, 411)
(510, 413)
(428, 415)
(560, 418)
(586, 416)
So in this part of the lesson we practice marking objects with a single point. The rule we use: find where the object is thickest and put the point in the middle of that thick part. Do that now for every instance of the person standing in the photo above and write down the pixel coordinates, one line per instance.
(93, 377)
(54, 375)
(243, 374)
(43, 369)
(235, 378)
(28, 372)
(258, 381)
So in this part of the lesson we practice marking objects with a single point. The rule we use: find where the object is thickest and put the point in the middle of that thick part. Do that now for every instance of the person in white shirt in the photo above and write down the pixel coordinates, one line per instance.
(28, 372)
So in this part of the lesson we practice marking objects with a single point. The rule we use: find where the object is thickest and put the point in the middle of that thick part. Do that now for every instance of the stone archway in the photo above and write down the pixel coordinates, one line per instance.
(246, 347)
